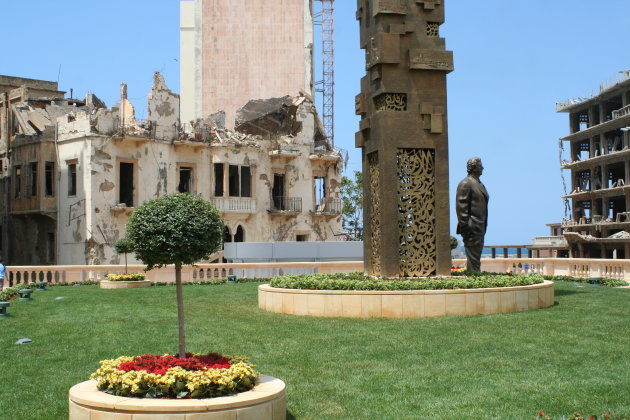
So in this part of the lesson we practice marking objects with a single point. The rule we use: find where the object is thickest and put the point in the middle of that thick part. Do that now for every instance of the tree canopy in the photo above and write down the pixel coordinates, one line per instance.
(175, 229)
(352, 199)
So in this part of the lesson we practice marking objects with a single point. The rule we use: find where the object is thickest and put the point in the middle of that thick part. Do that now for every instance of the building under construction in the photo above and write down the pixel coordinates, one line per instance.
(599, 163)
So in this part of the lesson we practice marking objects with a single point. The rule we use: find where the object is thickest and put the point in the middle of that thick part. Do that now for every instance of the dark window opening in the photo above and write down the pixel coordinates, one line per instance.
(126, 184)
(301, 238)
(616, 205)
(246, 181)
(48, 181)
(33, 180)
(227, 237)
(72, 179)
(234, 181)
(595, 113)
(278, 192)
(239, 236)
(50, 248)
(218, 180)
(616, 175)
(320, 190)
(17, 181)
(185, 179)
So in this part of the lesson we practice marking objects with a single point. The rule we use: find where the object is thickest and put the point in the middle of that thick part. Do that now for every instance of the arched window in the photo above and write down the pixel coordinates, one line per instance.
(239, 236)
(227, 236)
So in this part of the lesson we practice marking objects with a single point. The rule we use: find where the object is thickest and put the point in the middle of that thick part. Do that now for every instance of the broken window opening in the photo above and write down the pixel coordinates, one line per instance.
(17, 180)
(239, 236)
(616, 175)
(320, 190)
(582, 151)
(50, 248)
(33, 180)
(246, 181)
(583, 181)
(72, 179)
(234, 181)
(616, 205)
(278, 191)
(49, 170)
(227, 237)
(218, 180)
(126, 184)
(185, 179)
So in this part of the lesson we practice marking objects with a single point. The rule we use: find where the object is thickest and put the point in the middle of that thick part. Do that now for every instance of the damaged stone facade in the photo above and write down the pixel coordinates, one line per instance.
(74, 170)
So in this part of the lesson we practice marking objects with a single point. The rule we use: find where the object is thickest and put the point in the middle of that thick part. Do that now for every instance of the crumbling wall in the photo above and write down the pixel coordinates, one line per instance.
(163, 110)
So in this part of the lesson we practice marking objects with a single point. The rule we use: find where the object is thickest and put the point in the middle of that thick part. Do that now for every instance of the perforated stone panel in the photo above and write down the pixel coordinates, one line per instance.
(416, 206)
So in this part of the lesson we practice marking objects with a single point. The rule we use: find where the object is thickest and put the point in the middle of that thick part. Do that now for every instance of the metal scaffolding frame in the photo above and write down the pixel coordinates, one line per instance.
(328, 65)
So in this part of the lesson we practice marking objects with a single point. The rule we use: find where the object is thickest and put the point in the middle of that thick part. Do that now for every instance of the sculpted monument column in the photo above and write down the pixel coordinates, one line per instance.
(403, 136)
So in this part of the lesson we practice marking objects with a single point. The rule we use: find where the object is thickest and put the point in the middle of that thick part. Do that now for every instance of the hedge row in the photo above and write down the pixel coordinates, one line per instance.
(354, 281)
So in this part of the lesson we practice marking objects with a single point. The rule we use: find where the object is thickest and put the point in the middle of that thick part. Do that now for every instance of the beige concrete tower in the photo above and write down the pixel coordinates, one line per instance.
(403, 134)
(233, 51)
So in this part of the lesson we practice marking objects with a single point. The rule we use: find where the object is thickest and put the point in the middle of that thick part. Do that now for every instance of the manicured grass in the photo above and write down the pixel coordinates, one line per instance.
(571, 357)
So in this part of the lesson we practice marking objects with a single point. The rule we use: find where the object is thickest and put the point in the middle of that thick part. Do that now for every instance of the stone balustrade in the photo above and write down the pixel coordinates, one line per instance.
(578, 267)
(199, 272)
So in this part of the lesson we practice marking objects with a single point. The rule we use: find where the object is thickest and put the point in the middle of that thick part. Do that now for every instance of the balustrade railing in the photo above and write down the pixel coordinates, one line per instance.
(286, 204)
(329, 206)
(621, 112)
(576, 267)
(234, 204)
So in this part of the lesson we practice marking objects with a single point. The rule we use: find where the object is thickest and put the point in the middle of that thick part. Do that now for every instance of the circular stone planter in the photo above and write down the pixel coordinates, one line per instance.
(405, 303)
(266, 401)
(106, 284)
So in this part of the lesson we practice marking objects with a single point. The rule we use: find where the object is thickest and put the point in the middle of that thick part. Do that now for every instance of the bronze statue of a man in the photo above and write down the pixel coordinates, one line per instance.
(471, 206)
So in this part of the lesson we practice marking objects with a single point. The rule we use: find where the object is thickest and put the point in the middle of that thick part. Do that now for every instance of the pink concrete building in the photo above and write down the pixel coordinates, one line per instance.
(233, 51)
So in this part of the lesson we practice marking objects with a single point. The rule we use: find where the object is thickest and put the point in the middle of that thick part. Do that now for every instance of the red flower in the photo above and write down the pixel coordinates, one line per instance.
(159, 364)
(540, 413)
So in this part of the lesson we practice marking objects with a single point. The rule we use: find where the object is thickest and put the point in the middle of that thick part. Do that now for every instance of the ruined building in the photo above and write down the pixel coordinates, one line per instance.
(72, 171)
(599, 165)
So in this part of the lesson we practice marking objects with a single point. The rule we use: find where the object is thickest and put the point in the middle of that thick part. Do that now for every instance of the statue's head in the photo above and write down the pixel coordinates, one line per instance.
(474, 166)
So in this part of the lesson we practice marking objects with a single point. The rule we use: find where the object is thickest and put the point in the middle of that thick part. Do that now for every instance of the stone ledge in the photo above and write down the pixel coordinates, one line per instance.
(267, 400)
(405, 303)
(106, 284)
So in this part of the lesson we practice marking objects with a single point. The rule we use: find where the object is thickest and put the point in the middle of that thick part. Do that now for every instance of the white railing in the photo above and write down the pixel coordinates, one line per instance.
(549, 241)
(576, 267)
(621, 112)
(234, 204)
(200, 272)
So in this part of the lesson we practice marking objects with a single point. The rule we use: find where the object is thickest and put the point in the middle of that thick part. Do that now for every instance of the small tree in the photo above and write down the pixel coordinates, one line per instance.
(352, 199)
(175, 229)
(453, 243)
(123, 246)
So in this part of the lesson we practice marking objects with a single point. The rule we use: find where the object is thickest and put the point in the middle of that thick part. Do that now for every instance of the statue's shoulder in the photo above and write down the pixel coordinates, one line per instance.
(464, 182)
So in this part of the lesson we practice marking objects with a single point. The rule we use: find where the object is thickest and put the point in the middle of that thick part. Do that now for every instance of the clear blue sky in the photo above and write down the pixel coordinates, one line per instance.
(513, 61)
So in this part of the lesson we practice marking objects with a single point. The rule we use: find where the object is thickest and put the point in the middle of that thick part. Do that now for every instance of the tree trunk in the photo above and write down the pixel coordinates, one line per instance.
(180, 310)
(125, 263)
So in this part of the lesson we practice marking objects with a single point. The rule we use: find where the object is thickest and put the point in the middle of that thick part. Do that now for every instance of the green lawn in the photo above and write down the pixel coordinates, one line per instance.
(574, 356)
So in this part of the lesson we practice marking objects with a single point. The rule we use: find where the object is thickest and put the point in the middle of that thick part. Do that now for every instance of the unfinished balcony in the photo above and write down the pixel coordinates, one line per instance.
(234, 204)
(282, 205)
(328, 207)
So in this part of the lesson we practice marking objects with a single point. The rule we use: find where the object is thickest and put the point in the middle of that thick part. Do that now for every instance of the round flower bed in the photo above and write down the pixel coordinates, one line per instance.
(165, 376)
(125, 281)
(357, 295)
